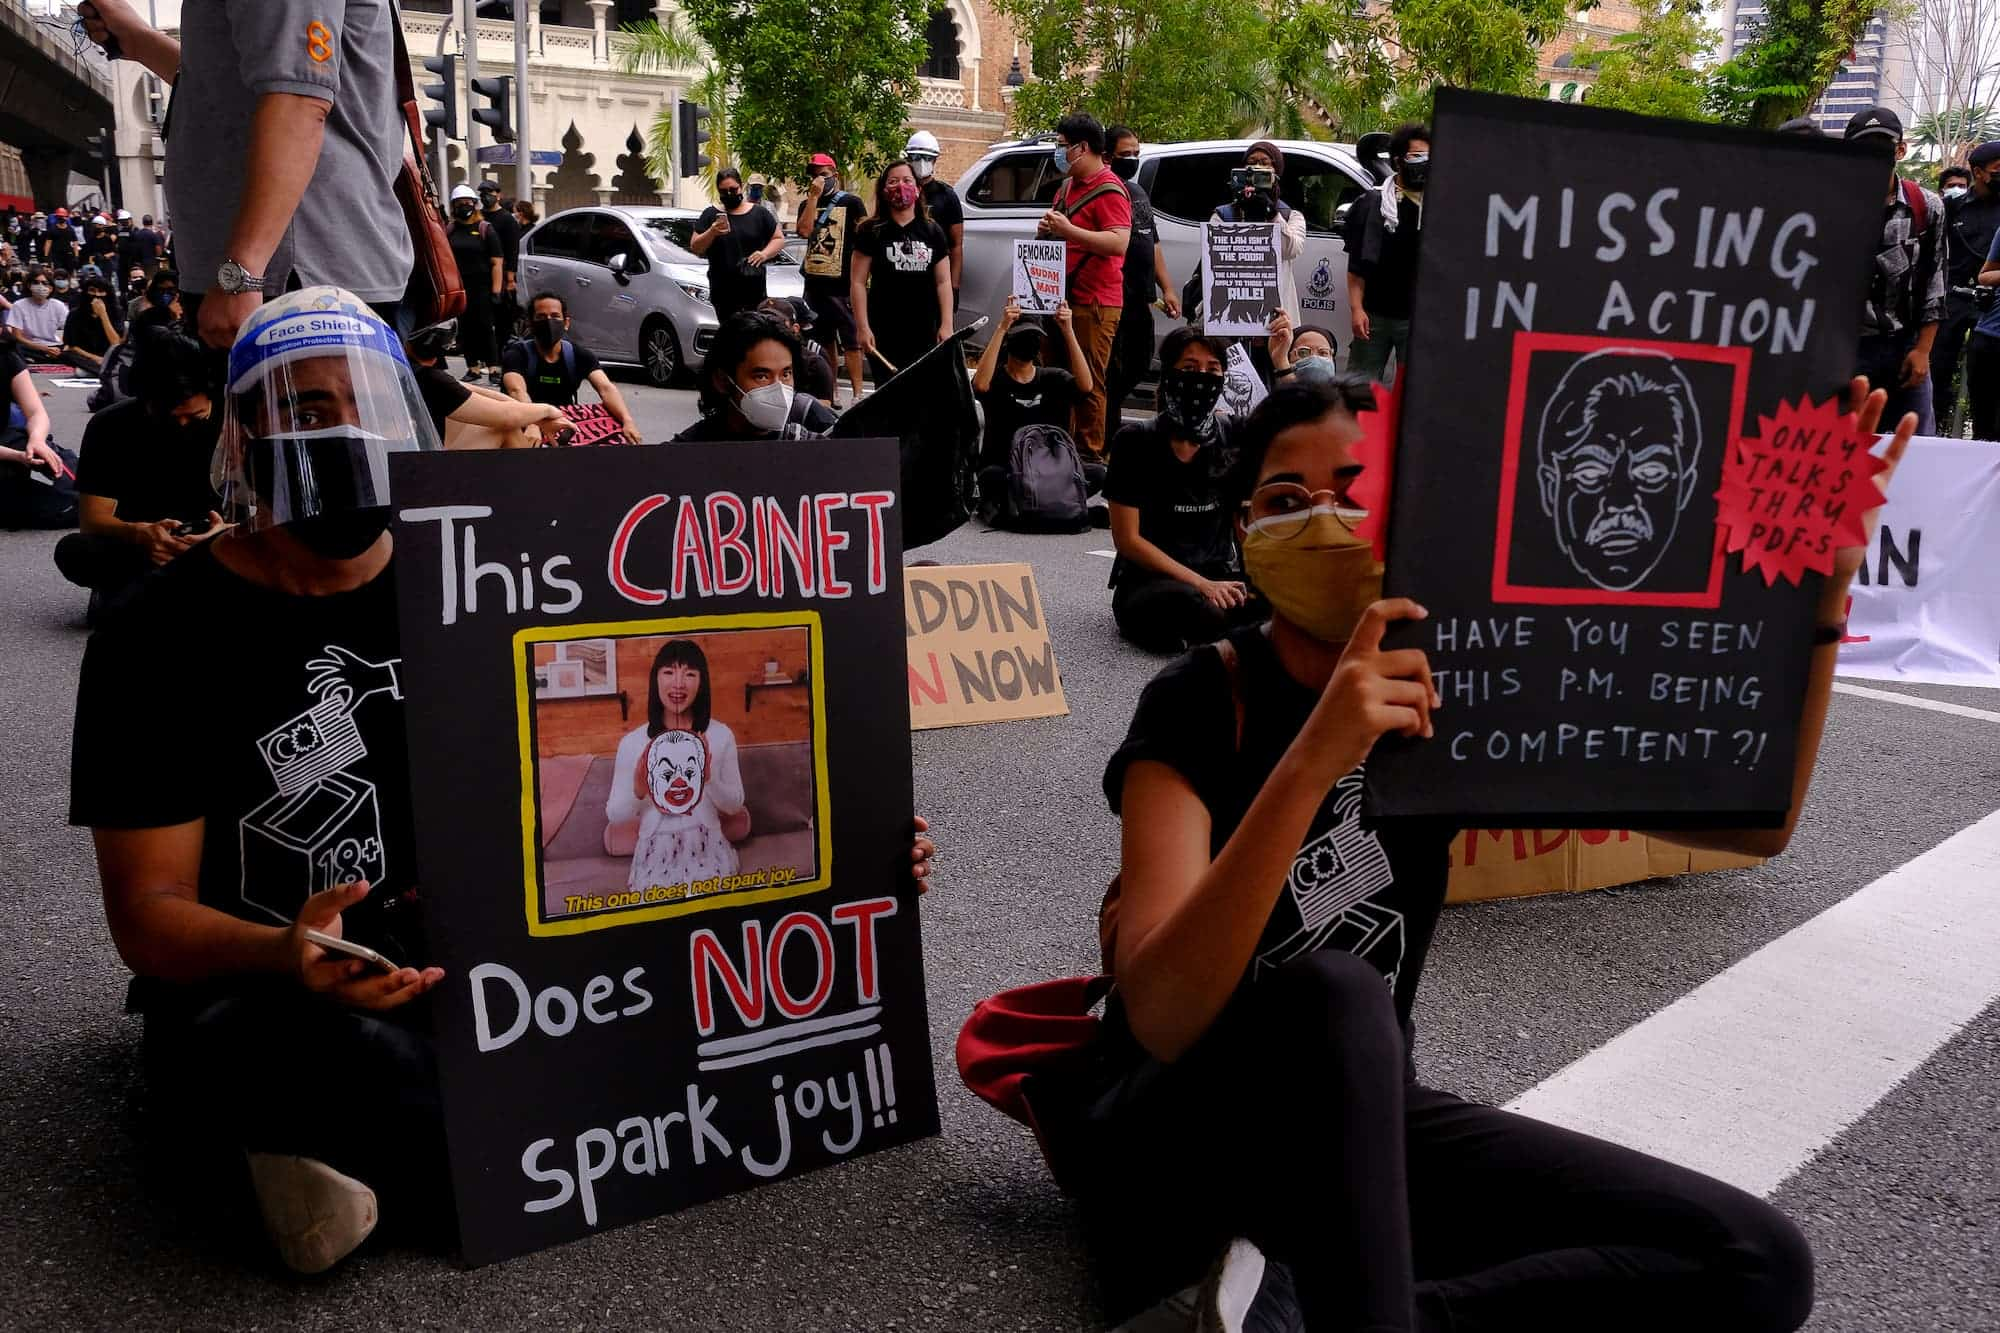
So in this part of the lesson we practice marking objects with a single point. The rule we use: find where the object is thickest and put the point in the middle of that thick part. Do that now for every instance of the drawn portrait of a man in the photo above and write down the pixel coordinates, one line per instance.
(1617, 461)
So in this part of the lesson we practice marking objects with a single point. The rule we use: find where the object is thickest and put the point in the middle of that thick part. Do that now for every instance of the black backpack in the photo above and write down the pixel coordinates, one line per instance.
(114, 380)
(31, 498)
(1045, 491)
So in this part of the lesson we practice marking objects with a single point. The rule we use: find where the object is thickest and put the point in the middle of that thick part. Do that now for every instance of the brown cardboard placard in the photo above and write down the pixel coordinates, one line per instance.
(1518, 863)
(978, 646)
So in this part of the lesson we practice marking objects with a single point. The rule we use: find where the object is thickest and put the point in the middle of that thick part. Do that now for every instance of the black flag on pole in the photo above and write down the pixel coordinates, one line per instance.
(928, 406)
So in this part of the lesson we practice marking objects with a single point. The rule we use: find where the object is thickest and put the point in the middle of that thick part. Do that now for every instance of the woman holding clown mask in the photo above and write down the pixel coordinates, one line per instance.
(1253, 1093)
(678, 776)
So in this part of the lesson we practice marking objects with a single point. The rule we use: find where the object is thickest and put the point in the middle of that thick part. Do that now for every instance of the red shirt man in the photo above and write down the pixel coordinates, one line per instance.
(1092, 216)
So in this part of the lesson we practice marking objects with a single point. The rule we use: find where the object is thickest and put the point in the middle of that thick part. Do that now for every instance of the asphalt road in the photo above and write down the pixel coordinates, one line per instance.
(965, 1231)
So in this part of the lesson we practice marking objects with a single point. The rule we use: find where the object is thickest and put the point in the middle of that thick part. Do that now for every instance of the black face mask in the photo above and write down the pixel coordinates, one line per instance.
(1125, 167)
(1189, 398)
(548, 331)
(730, 198)
(463, 209)
(342, 536)
(1415, 175)
(1023, 344)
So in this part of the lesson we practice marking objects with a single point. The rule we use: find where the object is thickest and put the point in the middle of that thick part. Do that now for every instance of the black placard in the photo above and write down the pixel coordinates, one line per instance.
(713, 928)
(1605, 303)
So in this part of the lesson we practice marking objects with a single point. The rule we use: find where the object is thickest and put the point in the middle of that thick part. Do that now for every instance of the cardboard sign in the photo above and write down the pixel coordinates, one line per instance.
(978, 646)
(1242, 387)
(662, 802)
(1588, 365)
(591, 423)
(1518, 863)
(1039, 275)
(1239, 277)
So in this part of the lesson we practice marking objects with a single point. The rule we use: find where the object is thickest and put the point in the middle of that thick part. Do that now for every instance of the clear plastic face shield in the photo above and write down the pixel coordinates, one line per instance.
(319, 395)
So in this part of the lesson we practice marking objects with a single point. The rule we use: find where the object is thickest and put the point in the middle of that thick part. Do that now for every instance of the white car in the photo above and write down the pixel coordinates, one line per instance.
(638, 296)
(1009, 189)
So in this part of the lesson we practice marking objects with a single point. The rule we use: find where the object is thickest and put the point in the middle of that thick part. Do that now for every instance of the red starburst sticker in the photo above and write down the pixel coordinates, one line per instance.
(1799, 490)
(1377, 455)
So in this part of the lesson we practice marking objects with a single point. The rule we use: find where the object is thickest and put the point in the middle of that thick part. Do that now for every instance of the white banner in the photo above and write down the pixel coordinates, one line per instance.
(1927, 601)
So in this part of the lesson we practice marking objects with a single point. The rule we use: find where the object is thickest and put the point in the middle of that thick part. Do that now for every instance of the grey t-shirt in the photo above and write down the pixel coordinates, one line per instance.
(349, 229)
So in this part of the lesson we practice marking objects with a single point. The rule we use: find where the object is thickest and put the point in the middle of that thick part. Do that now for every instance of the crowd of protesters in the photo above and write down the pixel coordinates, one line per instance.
(236, 478)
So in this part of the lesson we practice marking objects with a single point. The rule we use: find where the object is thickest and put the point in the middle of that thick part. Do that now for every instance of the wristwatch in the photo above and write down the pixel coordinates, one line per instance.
(234, 279)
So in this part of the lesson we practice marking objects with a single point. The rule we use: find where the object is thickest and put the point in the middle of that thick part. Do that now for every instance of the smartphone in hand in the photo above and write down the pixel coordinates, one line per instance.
(335, 944)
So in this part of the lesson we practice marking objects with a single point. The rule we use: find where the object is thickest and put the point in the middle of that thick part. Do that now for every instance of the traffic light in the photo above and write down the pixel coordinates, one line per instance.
(444, 116)
(690, 133)
(498, 114)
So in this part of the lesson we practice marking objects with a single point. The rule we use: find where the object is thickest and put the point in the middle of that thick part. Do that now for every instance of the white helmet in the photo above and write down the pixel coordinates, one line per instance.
(459, 192)
(922, 150)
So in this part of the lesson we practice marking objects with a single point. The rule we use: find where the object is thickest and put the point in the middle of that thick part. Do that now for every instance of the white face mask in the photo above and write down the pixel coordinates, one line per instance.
(923, 167)
(768, 407)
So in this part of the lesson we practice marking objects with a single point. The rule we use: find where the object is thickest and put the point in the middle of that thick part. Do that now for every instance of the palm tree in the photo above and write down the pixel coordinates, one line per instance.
(655, 47)
(1947, 135)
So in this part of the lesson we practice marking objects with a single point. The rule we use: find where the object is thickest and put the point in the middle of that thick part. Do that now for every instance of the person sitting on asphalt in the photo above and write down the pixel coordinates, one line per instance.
(142, 473)
(163, 303)
(546, 367)
(1245, 1003)
(1178, 579)
(36, 324)
(472, 416)
(26, 455)
(1015, 389)
(95, 325)
(747, 391)
(813, 373)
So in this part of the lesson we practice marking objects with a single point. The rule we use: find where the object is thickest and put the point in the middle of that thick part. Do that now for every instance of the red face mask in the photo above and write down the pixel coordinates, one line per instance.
(902, 196)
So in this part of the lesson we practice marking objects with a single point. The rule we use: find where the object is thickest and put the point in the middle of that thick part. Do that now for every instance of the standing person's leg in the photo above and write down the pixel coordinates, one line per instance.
(1945, 354)
(475, 333)
(1096, 330)
(1982, 385)
(1284, 1124)
(1131, 358)
(1370, 356)
(1519, 1224)
(1398, 331)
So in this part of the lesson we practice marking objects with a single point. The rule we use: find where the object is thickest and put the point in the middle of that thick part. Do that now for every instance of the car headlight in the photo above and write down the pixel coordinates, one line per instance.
(696, 291)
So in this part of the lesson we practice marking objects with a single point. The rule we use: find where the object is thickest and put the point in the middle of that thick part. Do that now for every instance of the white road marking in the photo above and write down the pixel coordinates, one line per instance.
(1750, 1075)
(1108, 555)
(1914, 701)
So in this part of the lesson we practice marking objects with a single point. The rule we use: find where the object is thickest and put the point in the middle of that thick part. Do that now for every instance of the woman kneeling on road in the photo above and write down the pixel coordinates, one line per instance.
(1253, 1088)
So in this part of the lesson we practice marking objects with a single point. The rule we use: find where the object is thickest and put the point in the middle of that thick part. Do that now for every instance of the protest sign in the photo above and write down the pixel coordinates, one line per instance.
(1627, 399)
(1239, 277)
(1926, 606)
(1517, 863)
(1242, 387)
(1039, 276)
(978, 646)
(928, 407)
(662, 803)
(590, 423)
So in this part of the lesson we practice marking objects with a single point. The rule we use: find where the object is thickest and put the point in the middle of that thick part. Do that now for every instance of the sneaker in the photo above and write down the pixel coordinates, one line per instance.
(472, 376)
(314, 1215)
(1247, 1293)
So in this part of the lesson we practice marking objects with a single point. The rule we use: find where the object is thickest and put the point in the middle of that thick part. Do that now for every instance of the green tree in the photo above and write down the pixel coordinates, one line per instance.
(1943, 136)
(653, 47)
(1796, 52)
(1653, 69)
(796, 77)
(1489, 45)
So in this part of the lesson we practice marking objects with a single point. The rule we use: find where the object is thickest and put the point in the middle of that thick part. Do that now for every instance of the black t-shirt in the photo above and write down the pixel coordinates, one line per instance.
(508, 228)
(1386, 260)
(1968, 239)
(941, 202)
(475, 247)
(902, 287)
(1044, 400)
(151, 244)
(834, 226)
(85, 332)
(813, 373)
(13, 363)
(132, 251)
(100, 246)
(1183, 508)
(1374, 893)
(150, 468)
(1139, 246)
(749, 231)
(553, 382)
(442, 393)
(294, 757)
(60, 245)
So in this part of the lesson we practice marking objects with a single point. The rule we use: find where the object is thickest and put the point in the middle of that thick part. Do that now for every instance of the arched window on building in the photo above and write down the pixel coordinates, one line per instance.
(941, 37)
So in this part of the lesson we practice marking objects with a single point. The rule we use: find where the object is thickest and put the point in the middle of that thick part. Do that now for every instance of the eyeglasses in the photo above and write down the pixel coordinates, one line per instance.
(1311, 354)
(1283, 509)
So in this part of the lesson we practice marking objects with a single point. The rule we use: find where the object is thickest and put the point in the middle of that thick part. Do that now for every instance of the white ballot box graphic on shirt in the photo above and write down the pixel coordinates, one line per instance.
(323, 827)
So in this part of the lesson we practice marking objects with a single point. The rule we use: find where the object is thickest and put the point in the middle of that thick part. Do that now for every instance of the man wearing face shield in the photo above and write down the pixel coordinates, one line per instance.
(941, 203)
(1382, 264)
(238, 802)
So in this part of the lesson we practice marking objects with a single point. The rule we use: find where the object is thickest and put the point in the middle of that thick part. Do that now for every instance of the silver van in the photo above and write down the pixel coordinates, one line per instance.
(638, 296)
(1009, 189)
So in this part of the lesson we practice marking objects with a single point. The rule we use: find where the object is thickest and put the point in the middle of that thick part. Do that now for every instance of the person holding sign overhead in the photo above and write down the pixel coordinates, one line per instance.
(1256, 197)
(1252, 1087)
(902, 275)
(1092, 216)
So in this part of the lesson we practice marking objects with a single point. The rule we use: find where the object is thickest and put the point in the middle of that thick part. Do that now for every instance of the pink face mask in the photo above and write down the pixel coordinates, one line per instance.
(902, 196)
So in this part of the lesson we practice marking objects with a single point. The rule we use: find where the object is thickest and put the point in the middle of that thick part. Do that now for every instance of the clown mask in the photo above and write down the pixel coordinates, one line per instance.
(676, 770)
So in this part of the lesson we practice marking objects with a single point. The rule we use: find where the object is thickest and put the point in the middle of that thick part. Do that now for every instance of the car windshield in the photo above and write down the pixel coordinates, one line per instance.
(669, 238)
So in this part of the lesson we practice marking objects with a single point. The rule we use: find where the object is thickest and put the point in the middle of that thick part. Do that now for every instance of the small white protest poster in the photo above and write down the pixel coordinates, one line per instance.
(1038, 276)
(1242, 387)
(1239, 277)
